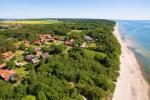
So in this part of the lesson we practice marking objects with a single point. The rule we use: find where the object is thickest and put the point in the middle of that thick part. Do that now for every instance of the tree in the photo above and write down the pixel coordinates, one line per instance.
(22, 46)
(1, 59)
(20, 90)
(41, 95)
(45, 49)
(11, 64)
(31, 50)
(56, 49)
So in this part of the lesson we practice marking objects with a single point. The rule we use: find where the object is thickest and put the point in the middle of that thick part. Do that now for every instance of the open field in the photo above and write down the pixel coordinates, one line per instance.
(30, 22)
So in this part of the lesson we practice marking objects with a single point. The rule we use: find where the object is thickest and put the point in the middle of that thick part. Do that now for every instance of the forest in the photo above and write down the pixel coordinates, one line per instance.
(67, 74)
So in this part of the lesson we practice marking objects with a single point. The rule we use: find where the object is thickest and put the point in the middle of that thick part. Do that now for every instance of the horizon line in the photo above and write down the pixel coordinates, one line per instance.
(72, 18)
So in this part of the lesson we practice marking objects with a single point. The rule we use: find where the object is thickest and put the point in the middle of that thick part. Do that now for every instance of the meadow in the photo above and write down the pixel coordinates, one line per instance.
(30, 21)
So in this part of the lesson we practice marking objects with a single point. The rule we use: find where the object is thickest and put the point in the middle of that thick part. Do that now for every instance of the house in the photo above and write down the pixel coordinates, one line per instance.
(69, 42)
(31, 58)
(88, 38)
(7, 55)
(51, 40)
(38, 53)
(49, 37)
(37, 49)
(17, 46)
(35, 61)
(7, 75)
(43, 41)
(38, 42)
(45, 55)
(26, 43)
(56, 37)
(20, 64)
(62, 39)
(2, 66)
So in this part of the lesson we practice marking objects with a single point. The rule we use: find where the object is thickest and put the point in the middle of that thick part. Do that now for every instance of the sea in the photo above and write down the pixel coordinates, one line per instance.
(137, 35)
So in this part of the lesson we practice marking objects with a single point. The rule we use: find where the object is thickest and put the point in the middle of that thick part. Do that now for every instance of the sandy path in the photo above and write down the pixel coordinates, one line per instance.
(131, 84)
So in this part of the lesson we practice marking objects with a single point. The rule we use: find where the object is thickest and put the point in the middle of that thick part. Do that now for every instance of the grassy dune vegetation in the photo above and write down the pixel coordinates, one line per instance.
(69, 73)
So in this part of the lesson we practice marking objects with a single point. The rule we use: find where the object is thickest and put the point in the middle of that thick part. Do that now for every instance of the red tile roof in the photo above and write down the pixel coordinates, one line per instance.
(7, 55)
(5, 74)
(2, 66)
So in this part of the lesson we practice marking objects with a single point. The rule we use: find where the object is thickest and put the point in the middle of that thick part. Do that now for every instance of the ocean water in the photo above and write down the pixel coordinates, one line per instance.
(137, 36)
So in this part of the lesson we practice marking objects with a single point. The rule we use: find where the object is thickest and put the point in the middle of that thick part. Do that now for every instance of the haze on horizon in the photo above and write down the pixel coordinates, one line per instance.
(101, 9)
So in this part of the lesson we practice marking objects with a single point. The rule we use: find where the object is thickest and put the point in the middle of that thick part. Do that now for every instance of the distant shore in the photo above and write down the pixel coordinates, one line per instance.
(131, 84)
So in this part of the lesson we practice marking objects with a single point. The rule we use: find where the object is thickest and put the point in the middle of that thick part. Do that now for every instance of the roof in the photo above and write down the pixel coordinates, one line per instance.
(30, 57)
(5, 74)
(69, 42)
(38, 42)
(7, 55)
(45, 55)
(37, 49)
(88, 38)
(2, 66)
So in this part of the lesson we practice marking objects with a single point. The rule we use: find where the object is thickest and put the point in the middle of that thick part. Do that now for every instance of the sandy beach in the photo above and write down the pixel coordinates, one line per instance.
(131, 85)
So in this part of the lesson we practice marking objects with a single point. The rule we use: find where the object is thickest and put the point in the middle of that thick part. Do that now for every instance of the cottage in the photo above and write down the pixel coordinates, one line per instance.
(7, 75)
(48, 37)
(38, 42)
(20, 63)
(43, 41)
(69, 42)
(37, 49)
(51, 40)
(35, 61)
(56, 37)
(17, 46)
(62, 38)
(2, 66)
(38, 53)
(31, 58)
(45, 55)
(26, 43)
(7, 55)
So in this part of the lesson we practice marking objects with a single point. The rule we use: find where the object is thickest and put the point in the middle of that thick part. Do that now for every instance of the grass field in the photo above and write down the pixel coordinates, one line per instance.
(31, 21)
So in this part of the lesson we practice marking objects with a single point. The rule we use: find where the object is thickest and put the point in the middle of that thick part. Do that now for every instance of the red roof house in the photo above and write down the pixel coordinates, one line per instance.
(7, 75)
(38, 42)
(2, 66)
(7, 55)
(38, 53)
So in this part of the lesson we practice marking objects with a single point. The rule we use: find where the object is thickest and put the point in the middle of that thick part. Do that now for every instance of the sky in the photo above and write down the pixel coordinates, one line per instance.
(101, 9)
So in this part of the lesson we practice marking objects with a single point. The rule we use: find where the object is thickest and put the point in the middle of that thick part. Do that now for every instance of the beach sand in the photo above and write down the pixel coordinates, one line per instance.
(131, 85)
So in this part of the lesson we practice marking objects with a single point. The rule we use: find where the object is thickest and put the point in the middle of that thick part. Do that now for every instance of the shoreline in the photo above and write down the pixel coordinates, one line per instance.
(131, 84)
(142, 70)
